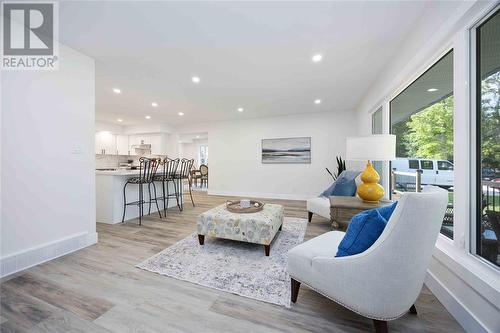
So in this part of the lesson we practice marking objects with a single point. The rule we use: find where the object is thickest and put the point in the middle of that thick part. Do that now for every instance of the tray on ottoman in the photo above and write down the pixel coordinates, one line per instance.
(257, 228)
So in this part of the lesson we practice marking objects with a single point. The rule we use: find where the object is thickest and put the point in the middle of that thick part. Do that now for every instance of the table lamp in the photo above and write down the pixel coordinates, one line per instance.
(372, 148)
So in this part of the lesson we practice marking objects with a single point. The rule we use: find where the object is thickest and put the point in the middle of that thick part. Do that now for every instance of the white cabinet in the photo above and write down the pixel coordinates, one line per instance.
(156, 145)
(122, 145)
(105, 143)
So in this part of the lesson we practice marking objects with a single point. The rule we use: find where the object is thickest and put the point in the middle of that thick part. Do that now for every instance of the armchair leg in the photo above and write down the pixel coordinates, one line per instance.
(309, 216)
(380, 326)
(413, 309)
(295, 290)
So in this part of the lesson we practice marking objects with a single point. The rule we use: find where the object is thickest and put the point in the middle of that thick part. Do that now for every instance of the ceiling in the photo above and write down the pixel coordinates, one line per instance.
(251, 55)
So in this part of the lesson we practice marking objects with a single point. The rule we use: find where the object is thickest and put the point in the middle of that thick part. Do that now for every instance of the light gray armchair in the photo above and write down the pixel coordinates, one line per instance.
(383, 282)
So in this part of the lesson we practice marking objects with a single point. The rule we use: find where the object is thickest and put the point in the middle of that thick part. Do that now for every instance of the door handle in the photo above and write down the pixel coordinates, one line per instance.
(437, 172)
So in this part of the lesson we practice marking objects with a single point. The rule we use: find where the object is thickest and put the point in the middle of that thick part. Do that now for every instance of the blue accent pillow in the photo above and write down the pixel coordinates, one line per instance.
(365, 228)
(387, 211)
(345, 185)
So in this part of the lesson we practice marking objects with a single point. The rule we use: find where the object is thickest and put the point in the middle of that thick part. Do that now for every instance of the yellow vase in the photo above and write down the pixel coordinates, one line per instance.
(370, 190)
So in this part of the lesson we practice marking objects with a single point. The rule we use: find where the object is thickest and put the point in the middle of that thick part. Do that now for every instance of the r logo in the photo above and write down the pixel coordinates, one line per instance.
(28, 29)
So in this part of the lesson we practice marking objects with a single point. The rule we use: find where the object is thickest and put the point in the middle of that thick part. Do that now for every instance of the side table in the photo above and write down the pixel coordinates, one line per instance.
(342, 209)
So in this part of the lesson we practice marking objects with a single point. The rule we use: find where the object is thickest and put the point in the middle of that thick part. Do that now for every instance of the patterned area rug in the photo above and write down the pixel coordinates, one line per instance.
(235, 267)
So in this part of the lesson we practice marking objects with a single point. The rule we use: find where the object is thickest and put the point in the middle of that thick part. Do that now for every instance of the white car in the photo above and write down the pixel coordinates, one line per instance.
(434, 172)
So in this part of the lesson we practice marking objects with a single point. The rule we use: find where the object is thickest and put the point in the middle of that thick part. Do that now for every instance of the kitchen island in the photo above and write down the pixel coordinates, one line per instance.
(109, 196)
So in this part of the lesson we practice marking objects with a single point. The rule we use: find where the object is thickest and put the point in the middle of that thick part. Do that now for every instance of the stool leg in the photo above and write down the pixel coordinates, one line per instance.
(124, 202)
(156, 200)
(190, 192)
(164, 198)
(141, 204)
(150, 199)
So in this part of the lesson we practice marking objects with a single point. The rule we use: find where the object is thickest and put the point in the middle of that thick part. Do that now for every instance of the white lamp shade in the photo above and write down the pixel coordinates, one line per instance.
(380, 147)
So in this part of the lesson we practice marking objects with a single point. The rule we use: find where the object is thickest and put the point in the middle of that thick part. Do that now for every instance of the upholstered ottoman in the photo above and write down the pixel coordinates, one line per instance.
(257, 228)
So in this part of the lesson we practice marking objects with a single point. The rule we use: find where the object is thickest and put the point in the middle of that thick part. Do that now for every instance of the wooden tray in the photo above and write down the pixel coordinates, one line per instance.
(234, 207)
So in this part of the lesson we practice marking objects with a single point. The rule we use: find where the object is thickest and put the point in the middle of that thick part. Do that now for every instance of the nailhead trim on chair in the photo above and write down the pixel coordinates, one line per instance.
(348, 307)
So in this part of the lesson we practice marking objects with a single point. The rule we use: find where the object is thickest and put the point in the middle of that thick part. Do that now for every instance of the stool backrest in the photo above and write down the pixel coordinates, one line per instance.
(147, 168)
(186, 166)
(203, 170)
(170, 167)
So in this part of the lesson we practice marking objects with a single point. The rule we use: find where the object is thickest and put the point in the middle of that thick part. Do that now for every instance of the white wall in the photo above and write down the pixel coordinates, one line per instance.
(466, 286)
(235, 154)
(47, 173)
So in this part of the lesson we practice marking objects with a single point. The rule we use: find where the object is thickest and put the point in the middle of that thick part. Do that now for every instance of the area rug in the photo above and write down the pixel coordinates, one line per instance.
(235, 267)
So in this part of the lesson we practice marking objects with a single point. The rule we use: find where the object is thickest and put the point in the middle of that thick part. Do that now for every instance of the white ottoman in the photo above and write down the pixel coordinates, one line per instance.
(258, 228)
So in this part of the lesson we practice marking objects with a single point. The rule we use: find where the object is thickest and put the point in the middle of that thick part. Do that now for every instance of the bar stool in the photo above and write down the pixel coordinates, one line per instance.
(147, 171)
(185, 173)
(168, 176)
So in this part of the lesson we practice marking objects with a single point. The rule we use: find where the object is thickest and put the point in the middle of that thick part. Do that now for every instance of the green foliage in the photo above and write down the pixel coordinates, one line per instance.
(430, 132)
(490, 121)
(340, 167)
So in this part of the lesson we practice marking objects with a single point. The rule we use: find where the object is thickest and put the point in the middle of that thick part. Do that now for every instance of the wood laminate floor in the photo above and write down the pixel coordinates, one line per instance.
(98, 289)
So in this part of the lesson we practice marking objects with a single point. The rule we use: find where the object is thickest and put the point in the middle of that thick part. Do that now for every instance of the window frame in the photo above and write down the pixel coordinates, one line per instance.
(475, 172)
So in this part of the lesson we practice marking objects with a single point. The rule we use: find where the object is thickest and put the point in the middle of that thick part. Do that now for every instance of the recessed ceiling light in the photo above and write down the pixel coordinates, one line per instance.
(432, 89)
(240, 109)
(147, 117)
(317, 101)
(317, 58)
(181, 113)
(154, 104)
(117, 91)
(119, 120)
(197, 136)
(195, 79)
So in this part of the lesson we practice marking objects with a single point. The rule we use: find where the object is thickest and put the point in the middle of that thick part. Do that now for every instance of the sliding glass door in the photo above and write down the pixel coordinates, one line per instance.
(488, 139)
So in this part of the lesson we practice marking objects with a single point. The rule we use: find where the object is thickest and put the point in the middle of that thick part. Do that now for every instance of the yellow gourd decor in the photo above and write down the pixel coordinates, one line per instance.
(370, 190)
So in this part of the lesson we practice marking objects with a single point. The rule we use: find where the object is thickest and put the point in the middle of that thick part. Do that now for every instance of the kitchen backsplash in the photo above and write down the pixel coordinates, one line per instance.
(113, 161)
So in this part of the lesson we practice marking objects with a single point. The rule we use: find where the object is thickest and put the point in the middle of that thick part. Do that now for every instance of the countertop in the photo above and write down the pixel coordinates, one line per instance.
(117, 172)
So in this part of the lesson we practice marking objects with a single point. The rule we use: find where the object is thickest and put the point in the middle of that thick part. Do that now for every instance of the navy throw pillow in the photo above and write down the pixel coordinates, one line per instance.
(345, 185)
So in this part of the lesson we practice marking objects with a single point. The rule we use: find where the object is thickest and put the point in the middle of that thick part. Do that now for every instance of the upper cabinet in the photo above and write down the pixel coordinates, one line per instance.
(111, 144)
(122, 145)
(105, 143)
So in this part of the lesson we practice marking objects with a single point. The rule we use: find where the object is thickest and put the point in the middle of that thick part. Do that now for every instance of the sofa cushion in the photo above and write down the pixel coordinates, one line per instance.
(363, 231)
(319, 206)
(300, 258)
(345, 185)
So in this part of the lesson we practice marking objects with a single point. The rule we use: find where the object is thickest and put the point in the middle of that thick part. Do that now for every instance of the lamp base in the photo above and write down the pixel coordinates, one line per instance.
(370, 190)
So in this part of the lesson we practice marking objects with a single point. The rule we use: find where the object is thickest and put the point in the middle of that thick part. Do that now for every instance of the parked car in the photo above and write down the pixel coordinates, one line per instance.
(488, 174)
(434, 172)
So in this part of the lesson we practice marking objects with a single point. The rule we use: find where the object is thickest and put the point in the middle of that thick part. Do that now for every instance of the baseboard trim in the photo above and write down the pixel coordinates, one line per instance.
(458, 310)
(261, 195)
(20, 261)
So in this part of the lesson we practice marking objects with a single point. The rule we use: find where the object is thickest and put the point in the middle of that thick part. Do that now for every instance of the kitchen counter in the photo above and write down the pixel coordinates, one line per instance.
(109, 196)
(118, 172)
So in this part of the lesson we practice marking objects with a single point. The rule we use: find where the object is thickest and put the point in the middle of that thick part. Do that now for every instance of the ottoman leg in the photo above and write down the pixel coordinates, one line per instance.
(267, 248)
(201, 239)
(281, 227)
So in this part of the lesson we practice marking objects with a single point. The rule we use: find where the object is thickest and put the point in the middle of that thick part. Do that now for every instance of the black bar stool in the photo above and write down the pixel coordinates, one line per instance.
(147, 171)
(185, 173)
(168, 176)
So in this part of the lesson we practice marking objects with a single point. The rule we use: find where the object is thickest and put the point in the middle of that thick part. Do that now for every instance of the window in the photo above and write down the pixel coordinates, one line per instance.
(421, 117)
(444, 165)
(203, 154)
(488, 139)
(377, 128)
(426, 165)
(413, 164)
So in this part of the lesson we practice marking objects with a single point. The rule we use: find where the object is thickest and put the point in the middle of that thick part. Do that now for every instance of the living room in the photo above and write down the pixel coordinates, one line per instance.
(237, 136)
